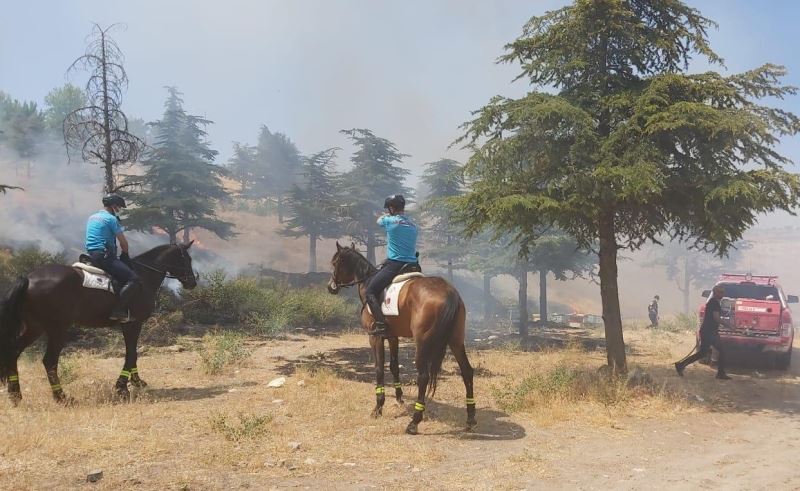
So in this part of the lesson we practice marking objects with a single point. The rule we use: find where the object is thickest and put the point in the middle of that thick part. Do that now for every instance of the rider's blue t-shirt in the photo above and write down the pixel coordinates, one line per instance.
(101, 232)
(401, 237)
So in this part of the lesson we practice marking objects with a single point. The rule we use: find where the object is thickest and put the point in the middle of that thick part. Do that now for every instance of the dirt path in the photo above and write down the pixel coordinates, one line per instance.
(196, 431)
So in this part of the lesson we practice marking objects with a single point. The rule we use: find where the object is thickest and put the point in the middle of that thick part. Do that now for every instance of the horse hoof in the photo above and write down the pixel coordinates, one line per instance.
(400, 401)
(471, 425)
(138, 383)
(15, 399)
(411, 429)
(376, 413)
(122, 392)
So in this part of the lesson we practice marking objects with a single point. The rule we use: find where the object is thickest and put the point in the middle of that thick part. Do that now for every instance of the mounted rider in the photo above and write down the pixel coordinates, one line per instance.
(401, 250)
(103, 230)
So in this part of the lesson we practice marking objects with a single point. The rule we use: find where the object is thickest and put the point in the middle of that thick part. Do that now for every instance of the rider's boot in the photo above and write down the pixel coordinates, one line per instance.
(379, 326)
(121, 311)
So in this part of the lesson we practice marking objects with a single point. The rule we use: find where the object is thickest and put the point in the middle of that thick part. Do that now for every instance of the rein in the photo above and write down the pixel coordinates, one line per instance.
(353, 283)
(165, 272)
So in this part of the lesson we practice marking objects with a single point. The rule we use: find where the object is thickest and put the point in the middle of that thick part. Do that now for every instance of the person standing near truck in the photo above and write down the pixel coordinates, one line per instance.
(709, 336)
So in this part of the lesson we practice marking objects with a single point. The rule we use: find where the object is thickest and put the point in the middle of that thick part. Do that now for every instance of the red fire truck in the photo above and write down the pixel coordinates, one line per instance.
(756, 318)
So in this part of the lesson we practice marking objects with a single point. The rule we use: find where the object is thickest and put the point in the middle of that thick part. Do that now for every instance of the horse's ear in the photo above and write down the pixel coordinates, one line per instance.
(353, 245)
(338, 247)
(188, 245)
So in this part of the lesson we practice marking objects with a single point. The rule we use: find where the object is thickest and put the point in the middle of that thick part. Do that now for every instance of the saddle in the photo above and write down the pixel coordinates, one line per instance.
(94, 277)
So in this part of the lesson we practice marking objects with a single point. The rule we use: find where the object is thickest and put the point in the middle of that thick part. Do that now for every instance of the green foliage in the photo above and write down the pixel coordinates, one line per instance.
(159, 328)
(243, 166)
(221, 350)
(248, 426)
(616, 147)
(312, 205)
(181, 186)
(277, 164)
(59, 103)
(444, 179)
(265, 307)
(21, 126)
(374, 176)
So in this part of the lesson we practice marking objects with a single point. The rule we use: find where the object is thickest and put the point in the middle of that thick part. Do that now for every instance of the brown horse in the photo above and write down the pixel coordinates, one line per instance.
(52, 299)
(431, 312)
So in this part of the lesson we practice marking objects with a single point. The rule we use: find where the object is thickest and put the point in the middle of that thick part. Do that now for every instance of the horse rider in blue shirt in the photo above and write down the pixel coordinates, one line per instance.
(103, 230)
(401, 250)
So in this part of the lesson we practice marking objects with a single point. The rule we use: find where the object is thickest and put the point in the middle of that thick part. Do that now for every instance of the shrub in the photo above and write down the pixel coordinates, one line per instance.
(22, 261)
(264, 306)
(248, 426)
(564, 385)
(159, 329)
(221, 350)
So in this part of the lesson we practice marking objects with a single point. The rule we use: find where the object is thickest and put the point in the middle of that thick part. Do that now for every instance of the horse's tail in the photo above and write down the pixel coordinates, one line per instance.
(10, 325)
(440, 335)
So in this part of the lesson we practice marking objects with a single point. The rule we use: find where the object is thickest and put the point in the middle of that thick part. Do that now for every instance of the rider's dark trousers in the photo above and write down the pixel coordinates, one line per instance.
(113, 266)
(378, 283)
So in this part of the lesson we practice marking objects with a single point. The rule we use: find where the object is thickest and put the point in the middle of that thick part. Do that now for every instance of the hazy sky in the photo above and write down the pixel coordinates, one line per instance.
(409, 70)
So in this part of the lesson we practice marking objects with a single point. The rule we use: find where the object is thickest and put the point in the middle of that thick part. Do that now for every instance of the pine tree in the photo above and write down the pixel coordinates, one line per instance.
(242, 165)
(181, 186)
(312, 205)
(277, 164)
(444, 180)
(616, 146)
(374, 176)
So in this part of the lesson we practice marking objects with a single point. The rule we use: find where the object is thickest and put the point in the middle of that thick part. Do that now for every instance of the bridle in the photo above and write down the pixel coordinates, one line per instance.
(338, 285)
(185, 277)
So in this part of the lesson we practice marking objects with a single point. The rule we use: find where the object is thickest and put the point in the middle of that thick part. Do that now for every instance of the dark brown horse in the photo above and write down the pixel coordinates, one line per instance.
(431, 312)
(52, 299)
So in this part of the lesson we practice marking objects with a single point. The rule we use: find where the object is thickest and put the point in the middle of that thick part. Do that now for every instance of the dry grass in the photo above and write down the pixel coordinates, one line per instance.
(198, 429)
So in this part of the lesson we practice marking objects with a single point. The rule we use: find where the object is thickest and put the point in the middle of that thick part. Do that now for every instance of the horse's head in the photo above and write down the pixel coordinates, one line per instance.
(178, 264)
(344, 267)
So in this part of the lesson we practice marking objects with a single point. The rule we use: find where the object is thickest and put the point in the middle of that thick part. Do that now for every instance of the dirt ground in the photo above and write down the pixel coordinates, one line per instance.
(190, 430)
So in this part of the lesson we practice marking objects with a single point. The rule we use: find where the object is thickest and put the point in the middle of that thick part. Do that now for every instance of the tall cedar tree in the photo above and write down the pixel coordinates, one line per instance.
(620, 146)
(99, 129)
(181, 185)
(374, 176)
(59, 103)
(444, 179)
(278, 162)
(312, 206)
(243, 168)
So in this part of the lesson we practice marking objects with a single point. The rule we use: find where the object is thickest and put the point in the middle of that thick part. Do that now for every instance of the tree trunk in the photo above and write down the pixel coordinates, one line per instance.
(312, 252)
(186, 235)
(522, 297)
(280, 209)
(543, 297)
(487, 297)
(371, 248)
(108, 157)
(173, 236)
(609, 294)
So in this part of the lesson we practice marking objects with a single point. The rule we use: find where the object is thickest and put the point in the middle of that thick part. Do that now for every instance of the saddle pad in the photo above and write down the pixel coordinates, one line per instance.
(391, 294)
(89, 269)
(97, 282)
(407, 276)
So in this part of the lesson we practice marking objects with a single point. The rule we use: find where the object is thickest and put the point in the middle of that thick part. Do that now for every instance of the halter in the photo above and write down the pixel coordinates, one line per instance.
(352, 283)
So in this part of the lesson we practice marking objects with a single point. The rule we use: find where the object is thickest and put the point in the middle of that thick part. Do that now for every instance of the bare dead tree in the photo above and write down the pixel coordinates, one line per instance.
(99, 130)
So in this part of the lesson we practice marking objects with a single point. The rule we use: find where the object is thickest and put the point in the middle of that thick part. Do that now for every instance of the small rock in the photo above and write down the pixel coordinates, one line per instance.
(349, 464)
(231, 390)
(277, 401)
(759, 374)
(175, 348)
(492, 337)
(309, 461)
(416, 469)
(94, 476)
(295, 446)
(477, 340)
(278, 382)
(698, 398)
(301, 383)
(311, 329)
(638, 469)
(292, 467)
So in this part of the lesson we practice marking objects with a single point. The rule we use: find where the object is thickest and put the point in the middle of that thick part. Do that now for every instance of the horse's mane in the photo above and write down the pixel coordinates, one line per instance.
(153, 253)
(362, 267)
